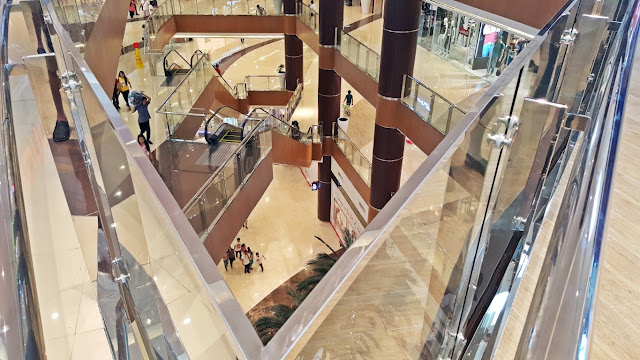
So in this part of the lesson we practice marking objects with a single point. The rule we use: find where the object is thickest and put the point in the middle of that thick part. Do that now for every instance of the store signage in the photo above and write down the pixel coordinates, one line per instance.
(463, 32)
(358, 202)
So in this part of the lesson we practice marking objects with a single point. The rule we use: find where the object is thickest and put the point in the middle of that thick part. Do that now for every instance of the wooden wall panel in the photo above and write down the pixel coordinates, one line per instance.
(361, 82)
(106, 41)
(421, 133)
(269, 98)
(235, 24)
(239, 210)
(308, 36)
(290, 152)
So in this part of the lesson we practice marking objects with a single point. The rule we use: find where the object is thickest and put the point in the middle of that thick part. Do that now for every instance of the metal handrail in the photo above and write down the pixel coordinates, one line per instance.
(338, 130)
(221, 167)
(420, 83)
(340, 31)
(562, 314)
(203, 58)
(22, 326)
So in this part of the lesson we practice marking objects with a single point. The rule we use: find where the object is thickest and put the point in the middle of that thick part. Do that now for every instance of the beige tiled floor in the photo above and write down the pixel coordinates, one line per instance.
(281, 228)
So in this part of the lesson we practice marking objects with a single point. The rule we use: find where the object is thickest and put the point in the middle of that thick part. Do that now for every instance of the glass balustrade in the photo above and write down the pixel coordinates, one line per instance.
(423, 270)
(147, 264)
(430, 106)
(169, 8)
(265, 83)
(292, 105)
(353, 154)
(308, 16)
(204, 210)
(180, 102)
(365, 58)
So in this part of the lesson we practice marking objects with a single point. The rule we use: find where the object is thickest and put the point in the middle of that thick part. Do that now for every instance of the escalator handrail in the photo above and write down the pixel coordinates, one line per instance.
(195, 53)
(22, 326)
(220, 168)
(164, 62)
(180, 83)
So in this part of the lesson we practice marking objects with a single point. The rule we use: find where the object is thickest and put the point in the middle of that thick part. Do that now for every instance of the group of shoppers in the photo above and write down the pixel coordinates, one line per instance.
(243, 253)
(141, 106)
(144, 6)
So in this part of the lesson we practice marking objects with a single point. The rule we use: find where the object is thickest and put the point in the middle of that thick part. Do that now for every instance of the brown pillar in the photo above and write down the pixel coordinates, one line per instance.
(400, 36)
(293, 60)
(330, 16)
(292, 51)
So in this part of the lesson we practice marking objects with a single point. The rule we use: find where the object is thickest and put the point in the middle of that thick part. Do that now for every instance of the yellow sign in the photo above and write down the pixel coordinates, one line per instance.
(139, 63)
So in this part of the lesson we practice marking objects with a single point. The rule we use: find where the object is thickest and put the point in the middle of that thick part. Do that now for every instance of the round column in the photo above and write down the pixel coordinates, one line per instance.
(400, 36)
(293, 61)
(330, 16)
(292, 52)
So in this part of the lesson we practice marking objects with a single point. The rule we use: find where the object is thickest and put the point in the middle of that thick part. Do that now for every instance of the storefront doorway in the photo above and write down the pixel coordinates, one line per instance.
(481, 48)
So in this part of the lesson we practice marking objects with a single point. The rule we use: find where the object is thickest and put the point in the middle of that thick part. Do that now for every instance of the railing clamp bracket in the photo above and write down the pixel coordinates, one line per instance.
(519, 222)
(569, 36)
(499, 140)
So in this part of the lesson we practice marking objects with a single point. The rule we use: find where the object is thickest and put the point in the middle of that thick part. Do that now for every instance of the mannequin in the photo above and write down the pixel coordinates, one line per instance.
(490, 37)
(443, 34)
(448, 36)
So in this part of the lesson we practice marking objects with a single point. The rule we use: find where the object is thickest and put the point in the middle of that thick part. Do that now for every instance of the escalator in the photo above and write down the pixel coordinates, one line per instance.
(225, 133)
(176, 67)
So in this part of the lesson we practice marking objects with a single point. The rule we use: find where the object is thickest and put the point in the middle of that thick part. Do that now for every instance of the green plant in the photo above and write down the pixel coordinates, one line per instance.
(267, 326)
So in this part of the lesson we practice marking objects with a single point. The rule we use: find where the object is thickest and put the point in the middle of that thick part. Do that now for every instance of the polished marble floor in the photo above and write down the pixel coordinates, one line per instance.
(281, 228)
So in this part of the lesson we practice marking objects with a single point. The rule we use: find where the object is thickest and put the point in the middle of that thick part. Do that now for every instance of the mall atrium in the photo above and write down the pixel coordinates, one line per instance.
(319, 179)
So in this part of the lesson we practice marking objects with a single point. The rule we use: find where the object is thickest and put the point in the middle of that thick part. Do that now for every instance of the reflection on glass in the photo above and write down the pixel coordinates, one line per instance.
(359, 54)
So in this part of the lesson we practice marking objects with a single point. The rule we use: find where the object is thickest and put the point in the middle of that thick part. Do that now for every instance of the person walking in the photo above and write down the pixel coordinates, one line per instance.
(260, 11)
(259, 261)
(232, 256)
(250, 258)
(145, 146)
(348, 101)
(124, 85)
(496, 56)
(146, 8)
(114, 96)
(225, 259)
(132, 8)
(144, 117)
(313, 6)
(246, 262)
(238, 248)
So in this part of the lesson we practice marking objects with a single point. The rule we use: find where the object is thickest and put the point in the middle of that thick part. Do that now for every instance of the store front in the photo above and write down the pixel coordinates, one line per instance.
(482, 48)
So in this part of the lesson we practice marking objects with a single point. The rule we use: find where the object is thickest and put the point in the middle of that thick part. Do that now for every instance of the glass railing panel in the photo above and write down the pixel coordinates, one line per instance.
(440, 114)
(180, 102)
(143, 256)
(215, 199)
(359, 162)
(403, 290)
(373, 65)
(136, 225)
(308, 16)
(359, 54)
(195, 216)
(430, 106)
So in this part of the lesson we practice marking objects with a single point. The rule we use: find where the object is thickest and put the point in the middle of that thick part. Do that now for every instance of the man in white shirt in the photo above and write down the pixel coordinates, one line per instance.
(246, 261)
(237, 248)
(313, 6)
(259, 261)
